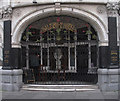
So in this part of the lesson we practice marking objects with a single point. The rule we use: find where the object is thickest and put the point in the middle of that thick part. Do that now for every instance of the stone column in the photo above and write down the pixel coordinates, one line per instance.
(11, 73)
(108, 78)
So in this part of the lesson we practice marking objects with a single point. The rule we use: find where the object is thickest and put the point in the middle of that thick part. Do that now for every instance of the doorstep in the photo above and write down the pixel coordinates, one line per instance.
(64, 88)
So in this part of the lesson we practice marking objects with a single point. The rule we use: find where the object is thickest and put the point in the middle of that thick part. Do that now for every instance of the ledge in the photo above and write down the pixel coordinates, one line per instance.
(11, 72)
(109, 71)
(21, 3)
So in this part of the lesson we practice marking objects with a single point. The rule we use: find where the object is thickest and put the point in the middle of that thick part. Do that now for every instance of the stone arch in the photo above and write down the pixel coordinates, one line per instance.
(1, 41)
(1, 34)
(95, 21)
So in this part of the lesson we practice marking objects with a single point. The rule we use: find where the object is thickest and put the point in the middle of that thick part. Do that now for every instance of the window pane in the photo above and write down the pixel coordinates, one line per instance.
(72, 57)
(23, 56)
(44, 56)
(34, 56)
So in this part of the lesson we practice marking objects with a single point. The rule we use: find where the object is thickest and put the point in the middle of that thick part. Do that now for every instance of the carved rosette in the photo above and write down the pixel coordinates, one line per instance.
(6, 12)
(101, 9)
(113, 8)
(17, 12)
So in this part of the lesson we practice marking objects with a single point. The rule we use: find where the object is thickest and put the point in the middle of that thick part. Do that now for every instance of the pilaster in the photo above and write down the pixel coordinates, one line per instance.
(11, 73)
(112, 29)
(108, 78)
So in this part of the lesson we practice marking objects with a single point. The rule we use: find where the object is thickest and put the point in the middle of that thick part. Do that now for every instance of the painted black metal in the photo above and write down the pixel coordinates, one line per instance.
(63, 76)
(60, 50)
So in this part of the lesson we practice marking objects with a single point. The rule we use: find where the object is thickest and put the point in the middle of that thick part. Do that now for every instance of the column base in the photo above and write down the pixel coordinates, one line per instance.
(109, 79)
(11, 79)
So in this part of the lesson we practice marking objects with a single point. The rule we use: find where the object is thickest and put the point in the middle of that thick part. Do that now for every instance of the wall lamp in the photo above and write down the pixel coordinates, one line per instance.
(34, 1)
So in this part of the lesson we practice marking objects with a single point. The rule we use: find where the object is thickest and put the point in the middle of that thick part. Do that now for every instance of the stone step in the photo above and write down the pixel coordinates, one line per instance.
(60, 87)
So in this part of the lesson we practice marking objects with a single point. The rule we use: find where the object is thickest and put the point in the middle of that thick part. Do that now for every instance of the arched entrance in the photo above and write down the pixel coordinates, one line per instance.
(60, 50)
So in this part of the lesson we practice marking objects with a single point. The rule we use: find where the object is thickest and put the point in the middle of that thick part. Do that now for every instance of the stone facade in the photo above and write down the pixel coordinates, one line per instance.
(95, 12)
(108, 79)
(11, 80)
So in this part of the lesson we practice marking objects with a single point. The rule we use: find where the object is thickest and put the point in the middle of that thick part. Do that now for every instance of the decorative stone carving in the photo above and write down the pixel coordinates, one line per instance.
(6, 12)
(101, 9)
(112, 8)
(17, 12)
(57, 8)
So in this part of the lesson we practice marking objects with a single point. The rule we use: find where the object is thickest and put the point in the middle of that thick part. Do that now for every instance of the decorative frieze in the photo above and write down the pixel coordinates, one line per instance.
(6, 12)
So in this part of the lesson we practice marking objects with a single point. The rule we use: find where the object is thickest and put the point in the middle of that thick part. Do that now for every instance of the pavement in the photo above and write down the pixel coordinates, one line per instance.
(58, 95)
(70, 94)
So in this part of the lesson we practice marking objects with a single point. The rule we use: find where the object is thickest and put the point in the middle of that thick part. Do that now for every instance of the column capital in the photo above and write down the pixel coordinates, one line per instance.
(6, 12)
(113, 9)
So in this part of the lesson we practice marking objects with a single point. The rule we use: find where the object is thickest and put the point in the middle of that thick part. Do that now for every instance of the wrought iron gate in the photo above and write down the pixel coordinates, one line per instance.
(60, 52)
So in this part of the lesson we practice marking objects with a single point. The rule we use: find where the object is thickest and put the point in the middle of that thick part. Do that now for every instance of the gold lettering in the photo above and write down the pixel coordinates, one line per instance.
(113, 53)
(114, 59)
(6, 52)
(6, 56)
(6, 61)
(56, 25)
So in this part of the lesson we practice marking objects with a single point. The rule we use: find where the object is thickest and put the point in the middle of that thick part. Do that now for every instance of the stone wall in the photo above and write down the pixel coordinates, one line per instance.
(108, 79)
(11, 80)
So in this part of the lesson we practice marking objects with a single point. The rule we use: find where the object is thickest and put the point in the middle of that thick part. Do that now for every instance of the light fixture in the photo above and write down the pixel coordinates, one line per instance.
(34, 1)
